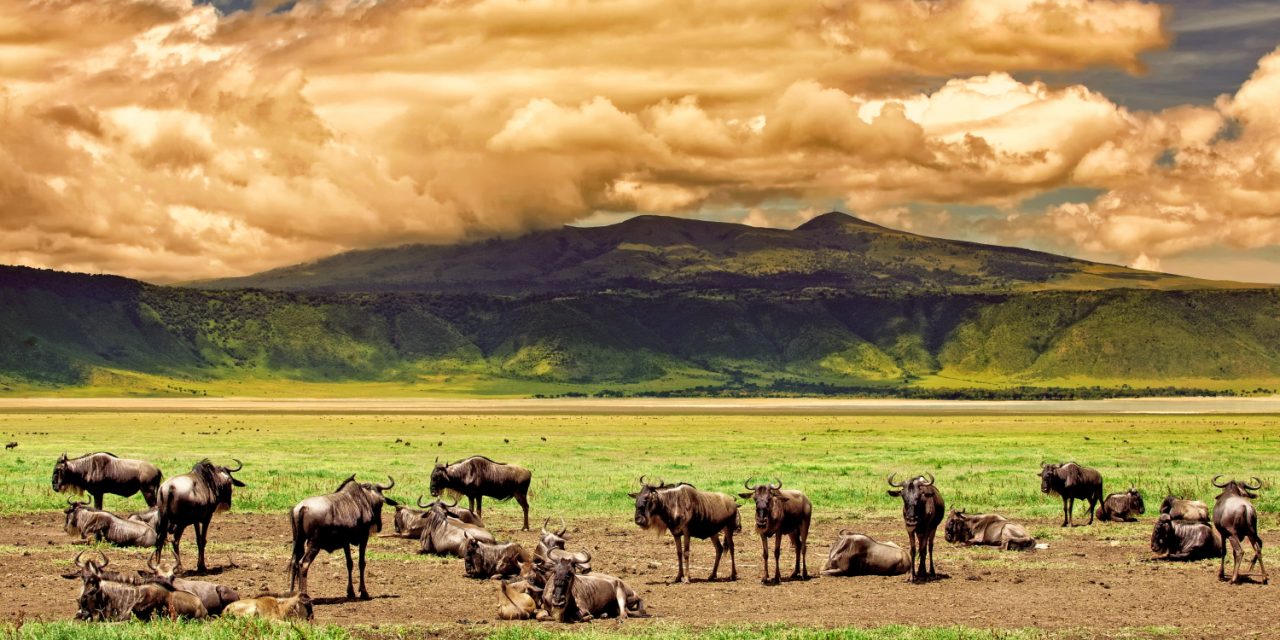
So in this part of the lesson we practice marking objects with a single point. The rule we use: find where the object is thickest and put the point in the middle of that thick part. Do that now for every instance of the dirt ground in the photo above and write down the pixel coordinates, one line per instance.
(1091, 581)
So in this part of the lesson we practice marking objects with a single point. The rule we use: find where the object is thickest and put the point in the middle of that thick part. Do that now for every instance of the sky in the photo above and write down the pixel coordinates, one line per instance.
(169, 141)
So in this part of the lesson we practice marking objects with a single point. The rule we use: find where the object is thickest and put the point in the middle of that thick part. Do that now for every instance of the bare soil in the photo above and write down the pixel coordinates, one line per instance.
(1091, 581)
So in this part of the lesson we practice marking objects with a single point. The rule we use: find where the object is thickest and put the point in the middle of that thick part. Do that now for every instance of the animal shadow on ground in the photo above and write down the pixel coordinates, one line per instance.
(320, 602)
(934, 578)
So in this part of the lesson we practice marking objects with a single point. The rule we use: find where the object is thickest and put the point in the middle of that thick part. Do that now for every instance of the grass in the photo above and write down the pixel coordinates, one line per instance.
(583, 466)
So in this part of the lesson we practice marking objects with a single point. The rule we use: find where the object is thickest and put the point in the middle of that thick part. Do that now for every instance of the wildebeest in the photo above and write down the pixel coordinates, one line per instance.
(339, 520)
(781, 512)
(478, 478)
(101, 473)
(572, 597)
(1189, 510)
(191, 499)
(10, 445)
(442, 534)
(110, 596)
(1236, 520)
(410, 522)
(515, 603)
(149, 517)
(1125, 506)
(922, 510)
(987, 529)
(854, 554)
(85, 521)
(1072, 482)
(689, 513)
(214, 597)
(1182, 540)
(548, 540)
(296, 606)
(485, 560)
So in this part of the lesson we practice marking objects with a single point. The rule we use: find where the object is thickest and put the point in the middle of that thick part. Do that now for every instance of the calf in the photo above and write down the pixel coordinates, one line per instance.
(1181, 540)
(1188, 510)
(570, 597)
(296, 606)
(484, 560)
(781, 512)
(922, 509)
(689, 513)
(1236, 519)
(514, 601)
(987, 529)
(854, 554)
(1121, 507)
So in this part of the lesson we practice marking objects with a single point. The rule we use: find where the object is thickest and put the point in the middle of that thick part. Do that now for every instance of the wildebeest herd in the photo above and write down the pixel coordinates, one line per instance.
(551, 582)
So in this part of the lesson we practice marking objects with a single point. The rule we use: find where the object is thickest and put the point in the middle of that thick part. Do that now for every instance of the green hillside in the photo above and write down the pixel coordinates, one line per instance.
(79, 333)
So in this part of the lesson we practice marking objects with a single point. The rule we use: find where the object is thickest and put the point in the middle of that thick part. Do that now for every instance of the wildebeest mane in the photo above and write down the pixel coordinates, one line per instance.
(1072, 474)
(85, 471)
(209, 486)
(480, 457)
(350, 504)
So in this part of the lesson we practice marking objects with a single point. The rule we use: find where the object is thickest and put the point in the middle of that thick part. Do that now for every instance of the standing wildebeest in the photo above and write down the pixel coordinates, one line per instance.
(1122, 507)
(1237, 520)
(1181, 540)
(1189, 510)
(780, 513)
(987, 529)
(191, 499)
(101, 473)
(443, 534)
(478, 477)
(1071, 481)
(485, 560)
(689, 513)
(854, 554)
(339, 520)
(214, 597)
(922, 510)
(570, 597)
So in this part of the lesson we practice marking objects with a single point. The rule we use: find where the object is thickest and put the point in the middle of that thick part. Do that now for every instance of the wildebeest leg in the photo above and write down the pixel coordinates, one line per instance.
(715, 567)
(177, 553)
(621, 596)
(1257, 556)
(679, 559)
(933, 535)
(1222, 562)
(1093, 501)
(304, 567)
(777, 557)
(364, 593)
(1236, 553)
(479, 506)
(796, 546)
(351, 592)
(523, 500)
(911, 536)
(764, 552)
(97, 501)
(202, 530)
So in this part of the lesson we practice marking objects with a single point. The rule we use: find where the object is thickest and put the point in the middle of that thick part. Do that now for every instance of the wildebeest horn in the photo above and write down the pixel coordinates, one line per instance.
(437, 460)
(747, 484)
(582, 557)
(1255, 485)
(105, 560)
(563, 527)
(239, 466)
(842, 533)
(1214, 481)
(386, 487)
(422, 506)
(450, 506)
(930, 477)
(891, 482)
(545, 521)
(69, 501)
(777, 484)
(642, 481)
(77, 559)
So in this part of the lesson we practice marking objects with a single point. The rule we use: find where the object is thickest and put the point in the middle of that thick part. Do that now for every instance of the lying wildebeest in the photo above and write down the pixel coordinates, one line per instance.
(571, 597)
(443, 534)
(478, 478)
(485, 560)
(340, 520)
(1181, 540)
(514, 601)
(110, 596)
(85, 521)
(101, 473)
(1188, 510)
(409, 523)
(1122, 507)
(780, 513)
(987, 529)
(149, 517)
(191, 499)
(854, 554)
(214, 597)
(922, 511)
(296, 606)
(1072, 482)
(1236, 520)
(689, 513)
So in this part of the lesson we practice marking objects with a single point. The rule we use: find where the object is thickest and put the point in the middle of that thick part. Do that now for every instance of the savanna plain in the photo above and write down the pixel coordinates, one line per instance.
(1090, 581)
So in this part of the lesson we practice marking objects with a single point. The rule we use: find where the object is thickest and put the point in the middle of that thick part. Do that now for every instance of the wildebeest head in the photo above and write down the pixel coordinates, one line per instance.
(564, 568)
(769, 501)
(1236, 488)
(90, 575)
(553, 539)
(471, 557)
(1167, 504)
(957, 529)
(917, 496)
(646, 500)
(439, 478)
(219, 480)
(59, 473)
(1135, 501)
(1049, 480)
(72, 513)
(1163, 537)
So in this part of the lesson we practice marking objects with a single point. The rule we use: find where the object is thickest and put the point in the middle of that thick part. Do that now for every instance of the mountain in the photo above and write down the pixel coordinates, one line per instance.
(650, 253)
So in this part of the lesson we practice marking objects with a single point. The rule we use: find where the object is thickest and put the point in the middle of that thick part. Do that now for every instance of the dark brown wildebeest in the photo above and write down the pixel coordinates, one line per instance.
(987, 529)
(296, 606)
(689, 513)
(1181, 540)
(101, 473)
(190, 500)
(478, 478)
(1236, 520)
(110, 596)
(484, 560)
(780, 513)
(854, 554)
(103, 525)
(1072, 482)
(922, 511)
(443, 534)
(214, 597)
(10, 445)
(514, 601)
(339, 520)
(1188, 510)
(1122, 507)
(571, 597)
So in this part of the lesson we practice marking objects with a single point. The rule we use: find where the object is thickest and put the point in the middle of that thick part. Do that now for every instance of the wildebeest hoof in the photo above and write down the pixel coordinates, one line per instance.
(365, 596)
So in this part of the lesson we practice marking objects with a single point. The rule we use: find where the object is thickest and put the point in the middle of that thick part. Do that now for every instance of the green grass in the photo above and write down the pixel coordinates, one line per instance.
(584, 465)
(228, 629)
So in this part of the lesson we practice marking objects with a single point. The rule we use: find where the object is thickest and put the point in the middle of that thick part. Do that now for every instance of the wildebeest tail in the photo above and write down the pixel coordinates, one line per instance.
(299, 543)
(162, 522)
(737, 519)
